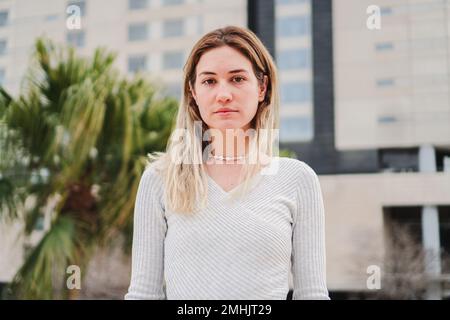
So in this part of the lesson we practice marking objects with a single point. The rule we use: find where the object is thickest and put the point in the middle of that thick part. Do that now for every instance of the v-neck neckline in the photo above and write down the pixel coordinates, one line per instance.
(257, 175)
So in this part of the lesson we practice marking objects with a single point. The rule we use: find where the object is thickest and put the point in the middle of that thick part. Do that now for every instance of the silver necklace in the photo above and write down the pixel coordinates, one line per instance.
(222, 158)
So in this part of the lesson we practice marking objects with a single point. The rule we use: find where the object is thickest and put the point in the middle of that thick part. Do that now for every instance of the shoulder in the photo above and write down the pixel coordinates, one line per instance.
(298, 168)
(152, 176)
(297, 174)
(156, 166)
(151, 187)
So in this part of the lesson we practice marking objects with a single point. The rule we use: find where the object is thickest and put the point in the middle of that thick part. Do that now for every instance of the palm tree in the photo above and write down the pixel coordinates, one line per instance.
(76, 136)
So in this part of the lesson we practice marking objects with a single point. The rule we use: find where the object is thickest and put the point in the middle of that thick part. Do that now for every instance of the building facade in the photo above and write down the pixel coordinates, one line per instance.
(149, 36)
(377, 129)
(367, 108)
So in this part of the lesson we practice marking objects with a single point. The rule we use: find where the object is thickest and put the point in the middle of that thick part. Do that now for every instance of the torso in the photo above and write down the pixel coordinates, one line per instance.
(239, 249)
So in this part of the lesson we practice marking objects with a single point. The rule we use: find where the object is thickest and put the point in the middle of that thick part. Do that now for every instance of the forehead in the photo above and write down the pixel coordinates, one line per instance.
(223, 60)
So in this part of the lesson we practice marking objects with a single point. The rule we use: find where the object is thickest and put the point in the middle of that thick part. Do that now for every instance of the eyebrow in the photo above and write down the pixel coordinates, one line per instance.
(213, 73)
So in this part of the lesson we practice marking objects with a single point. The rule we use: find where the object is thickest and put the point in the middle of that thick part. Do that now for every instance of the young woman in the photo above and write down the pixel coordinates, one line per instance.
(218, 215)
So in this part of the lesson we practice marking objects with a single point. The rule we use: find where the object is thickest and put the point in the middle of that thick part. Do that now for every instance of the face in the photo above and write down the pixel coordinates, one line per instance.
(226, 89)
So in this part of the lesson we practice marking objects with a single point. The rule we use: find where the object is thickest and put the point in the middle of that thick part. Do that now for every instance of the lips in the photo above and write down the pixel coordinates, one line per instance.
(225, 110)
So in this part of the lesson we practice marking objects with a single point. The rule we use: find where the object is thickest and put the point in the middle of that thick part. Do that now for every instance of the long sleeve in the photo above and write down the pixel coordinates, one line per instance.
(150, 226)
(308, 240)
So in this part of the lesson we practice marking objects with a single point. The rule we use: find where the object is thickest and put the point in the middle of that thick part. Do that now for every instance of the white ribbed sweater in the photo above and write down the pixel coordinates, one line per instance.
(239, 250)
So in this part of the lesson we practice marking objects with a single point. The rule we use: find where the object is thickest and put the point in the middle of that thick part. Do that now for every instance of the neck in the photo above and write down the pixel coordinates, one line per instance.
(230, 144)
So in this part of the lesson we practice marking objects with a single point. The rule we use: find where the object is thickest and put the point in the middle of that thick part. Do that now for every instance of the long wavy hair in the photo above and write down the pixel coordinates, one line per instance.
(186, 181)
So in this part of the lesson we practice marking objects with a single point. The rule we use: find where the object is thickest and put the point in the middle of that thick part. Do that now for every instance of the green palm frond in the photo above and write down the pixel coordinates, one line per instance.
(7, 197)
(77, 125)
(12, 173)
(56, 250)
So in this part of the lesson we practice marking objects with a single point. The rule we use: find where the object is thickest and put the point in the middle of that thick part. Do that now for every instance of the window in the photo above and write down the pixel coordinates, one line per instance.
(283, 2)
(382, 46)
(171, 2)
(137, 4)
(2, 76)
(137, 63)
(295, 128)
(173, 60)
(173, 28)
(76, 38)
(295, 92)
(398, 160)
(387, 82)
(2, 47)
(385, 11)
(446, 164)
(293, 26)
(293, 59)
(3, 18)
(51, 17)
(137, 32)
(387, 119)
(81, 4)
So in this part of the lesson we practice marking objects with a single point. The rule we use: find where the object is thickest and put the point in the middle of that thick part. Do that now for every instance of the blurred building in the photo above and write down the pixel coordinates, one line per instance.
(392, 95)
(151, 36)
(367, 109)
(380, 137)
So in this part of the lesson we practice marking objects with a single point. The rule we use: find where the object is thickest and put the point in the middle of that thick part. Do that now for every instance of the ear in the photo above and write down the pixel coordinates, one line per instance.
(263, 89)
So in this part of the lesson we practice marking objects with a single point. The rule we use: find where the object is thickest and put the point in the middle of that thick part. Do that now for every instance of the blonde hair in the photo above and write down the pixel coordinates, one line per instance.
(186, 183)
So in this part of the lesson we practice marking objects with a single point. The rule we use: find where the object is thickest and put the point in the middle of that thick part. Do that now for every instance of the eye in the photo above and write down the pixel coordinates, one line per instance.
(239, 79)
(208, 81)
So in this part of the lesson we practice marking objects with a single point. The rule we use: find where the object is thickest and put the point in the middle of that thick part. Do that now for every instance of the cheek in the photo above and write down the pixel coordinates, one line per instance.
(250, 114)
(203, 112)
(203, 98)
(204, 107)
(251, 103)
(202, 103)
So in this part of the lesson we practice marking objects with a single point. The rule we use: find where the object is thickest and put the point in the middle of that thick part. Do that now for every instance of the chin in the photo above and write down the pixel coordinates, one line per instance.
(230, 127)
(226, 125)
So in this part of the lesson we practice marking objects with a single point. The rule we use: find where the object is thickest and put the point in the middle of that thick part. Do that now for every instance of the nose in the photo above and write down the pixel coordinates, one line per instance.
(223, 94)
